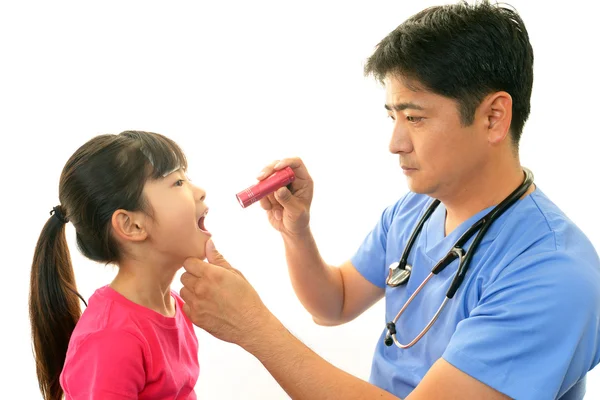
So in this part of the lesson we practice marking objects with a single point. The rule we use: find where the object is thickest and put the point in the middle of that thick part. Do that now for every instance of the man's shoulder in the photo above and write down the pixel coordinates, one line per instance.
(542, 244)
(539, 220)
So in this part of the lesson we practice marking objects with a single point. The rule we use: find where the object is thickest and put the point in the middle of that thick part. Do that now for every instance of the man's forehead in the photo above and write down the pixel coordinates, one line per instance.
(402, 93)
(402, 82)
(401, 97)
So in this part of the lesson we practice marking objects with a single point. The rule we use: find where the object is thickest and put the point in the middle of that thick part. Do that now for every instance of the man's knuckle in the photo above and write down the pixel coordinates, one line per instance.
(198, 289)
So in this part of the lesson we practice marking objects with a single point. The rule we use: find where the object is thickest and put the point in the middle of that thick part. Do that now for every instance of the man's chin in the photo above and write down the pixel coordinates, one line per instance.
(417, 188)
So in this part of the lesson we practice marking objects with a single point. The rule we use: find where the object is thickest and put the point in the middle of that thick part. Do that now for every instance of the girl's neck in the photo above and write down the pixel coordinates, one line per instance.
(147, 285)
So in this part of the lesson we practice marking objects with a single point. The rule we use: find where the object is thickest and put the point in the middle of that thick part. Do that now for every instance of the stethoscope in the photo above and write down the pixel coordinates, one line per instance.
(400, 271)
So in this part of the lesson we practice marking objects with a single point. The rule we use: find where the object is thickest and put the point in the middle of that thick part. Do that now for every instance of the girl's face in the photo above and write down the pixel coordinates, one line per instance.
(176, 230)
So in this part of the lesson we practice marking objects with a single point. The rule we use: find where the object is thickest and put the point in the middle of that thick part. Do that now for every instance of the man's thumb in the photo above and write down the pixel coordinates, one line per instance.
(284, 196)
(214, 257)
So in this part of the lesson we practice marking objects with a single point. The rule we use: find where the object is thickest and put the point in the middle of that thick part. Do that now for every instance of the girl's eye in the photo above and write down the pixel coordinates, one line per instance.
(179, 182)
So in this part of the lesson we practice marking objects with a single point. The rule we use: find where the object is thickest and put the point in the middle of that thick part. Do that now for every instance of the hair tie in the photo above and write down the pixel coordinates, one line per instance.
(57, 212)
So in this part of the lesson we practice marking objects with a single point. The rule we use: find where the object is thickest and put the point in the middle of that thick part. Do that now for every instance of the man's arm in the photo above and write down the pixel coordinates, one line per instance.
(304, 375)
(301, 372)
(332, 295)
(220, 300)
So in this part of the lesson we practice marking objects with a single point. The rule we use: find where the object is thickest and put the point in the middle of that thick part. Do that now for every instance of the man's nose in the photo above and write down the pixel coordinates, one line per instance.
(400, 141)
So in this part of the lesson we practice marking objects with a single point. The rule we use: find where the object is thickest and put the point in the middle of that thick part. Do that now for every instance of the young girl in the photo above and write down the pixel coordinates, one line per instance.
(132, 205)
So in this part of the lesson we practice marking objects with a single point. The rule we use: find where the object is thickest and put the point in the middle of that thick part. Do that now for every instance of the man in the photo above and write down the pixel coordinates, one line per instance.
(458, 82)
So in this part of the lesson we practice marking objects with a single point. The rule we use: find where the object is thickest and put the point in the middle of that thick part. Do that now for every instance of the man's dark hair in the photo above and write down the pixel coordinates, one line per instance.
(463, 52)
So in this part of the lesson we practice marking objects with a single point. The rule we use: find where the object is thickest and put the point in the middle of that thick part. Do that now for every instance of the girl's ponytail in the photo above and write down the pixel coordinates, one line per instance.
(53, 303)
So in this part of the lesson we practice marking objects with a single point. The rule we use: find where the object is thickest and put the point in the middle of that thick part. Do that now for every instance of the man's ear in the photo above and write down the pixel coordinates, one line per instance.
(497, 111)
(129, 226)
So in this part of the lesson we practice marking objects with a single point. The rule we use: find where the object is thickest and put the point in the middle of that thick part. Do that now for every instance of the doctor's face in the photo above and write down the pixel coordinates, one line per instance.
(436, 152)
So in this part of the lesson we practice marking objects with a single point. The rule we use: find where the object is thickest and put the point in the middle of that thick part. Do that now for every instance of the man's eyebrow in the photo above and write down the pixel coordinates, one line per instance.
(403, 106)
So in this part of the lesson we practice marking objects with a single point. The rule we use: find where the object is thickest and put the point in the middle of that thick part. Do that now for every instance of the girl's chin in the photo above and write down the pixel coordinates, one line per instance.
(194, 254)
(200, 253)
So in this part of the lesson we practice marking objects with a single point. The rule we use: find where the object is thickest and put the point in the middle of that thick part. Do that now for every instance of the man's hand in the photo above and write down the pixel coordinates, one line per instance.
(220, 300)
(289, 211)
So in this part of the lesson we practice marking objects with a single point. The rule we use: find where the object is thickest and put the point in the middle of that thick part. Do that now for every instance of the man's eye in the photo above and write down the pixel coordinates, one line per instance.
(179, 182)
(391, 117)
(412, 119)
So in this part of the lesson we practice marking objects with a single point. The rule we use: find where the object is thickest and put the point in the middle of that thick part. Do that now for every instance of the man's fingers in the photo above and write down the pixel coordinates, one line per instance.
(187, 309)
(284, 196)
(272, 205)
(194, 266)
(203, 271)
(289, 202)
(265, 203)
(266, 171)
(268, 202)
(214, 257)
(296, 164)
(187, 295)
(188, 279)
(292, 162)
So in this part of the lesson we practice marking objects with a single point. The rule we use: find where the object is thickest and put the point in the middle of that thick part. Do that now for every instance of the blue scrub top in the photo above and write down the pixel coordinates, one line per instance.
(526, 319)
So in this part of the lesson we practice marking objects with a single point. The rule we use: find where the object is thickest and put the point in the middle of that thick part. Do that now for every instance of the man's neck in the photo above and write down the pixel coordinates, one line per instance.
(487, 188)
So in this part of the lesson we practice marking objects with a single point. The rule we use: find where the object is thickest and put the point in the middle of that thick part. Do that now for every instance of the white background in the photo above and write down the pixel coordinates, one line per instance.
(237, 85)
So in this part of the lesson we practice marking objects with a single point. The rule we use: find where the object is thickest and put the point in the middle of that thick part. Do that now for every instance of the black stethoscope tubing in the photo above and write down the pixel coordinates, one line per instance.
(400, 271)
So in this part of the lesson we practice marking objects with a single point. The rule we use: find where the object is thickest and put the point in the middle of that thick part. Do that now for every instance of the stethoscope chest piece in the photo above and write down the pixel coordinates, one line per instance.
(398, 276)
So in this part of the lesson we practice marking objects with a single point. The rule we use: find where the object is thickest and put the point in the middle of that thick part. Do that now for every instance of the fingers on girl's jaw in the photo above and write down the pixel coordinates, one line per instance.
(193, 266)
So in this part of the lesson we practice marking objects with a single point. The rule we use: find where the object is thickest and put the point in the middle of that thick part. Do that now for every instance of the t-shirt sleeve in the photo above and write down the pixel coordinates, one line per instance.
(106, 365)
(369, 259)
(534, 333)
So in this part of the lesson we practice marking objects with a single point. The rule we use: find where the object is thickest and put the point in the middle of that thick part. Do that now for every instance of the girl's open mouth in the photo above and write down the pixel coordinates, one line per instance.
(201, 223)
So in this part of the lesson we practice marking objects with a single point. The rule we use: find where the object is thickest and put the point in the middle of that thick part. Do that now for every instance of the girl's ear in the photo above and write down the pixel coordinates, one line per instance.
(129, 226)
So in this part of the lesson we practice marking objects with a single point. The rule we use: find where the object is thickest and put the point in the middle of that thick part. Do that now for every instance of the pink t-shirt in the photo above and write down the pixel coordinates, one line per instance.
(122, 350)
